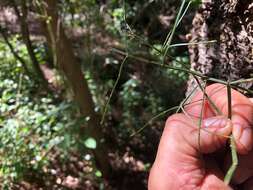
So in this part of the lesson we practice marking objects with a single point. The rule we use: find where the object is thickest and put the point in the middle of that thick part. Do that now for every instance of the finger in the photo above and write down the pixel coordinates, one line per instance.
(195, 108)
(212, 135)
(242, 111)
(177, 162)
(212, 182)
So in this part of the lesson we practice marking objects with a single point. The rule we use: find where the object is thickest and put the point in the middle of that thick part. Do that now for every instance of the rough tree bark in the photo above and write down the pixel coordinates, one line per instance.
(230, 22)
(68, 64)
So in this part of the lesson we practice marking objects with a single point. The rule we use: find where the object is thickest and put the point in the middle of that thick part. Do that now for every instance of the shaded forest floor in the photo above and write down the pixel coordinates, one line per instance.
(75, 171)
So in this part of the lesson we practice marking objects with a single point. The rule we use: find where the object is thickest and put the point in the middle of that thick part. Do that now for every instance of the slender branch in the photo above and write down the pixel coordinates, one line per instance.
(15, 54)
(22, 16)
(203, 77)
(154, 118)
(201, 115)
(232, 168)
(208, 98)
(169, 37)
(113, 89)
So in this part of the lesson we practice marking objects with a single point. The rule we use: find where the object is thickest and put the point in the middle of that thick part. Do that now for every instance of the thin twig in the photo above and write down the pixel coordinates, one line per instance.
(113, 89)
(15, 54)
(201, 115)
(154, 118)
(232, 168)
(189, 71)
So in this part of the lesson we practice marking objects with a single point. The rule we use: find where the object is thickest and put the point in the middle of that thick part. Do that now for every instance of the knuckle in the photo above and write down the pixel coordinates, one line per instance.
(175, 120)
(174, 117)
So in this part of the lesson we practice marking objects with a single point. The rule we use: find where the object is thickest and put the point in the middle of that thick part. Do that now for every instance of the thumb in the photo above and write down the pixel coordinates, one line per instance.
(177, 163)
(212, 182)
(212, 135)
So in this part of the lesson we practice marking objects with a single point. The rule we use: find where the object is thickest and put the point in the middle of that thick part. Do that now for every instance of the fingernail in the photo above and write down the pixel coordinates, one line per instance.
(243, 137)
(237, 131)
(217, 122)
(246, 139)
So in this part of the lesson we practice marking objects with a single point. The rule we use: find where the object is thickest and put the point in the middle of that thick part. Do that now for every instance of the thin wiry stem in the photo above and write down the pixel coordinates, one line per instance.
(229, 101)
(192, 43)
(242, 81)
(119, 74)
(154, 118)
(183, 103)
(184, 13)
(161, 52)
(113, 89)
(201, 115)
(189, 71)
(186, 99)
(169, 37)
(232, 168)
(208, 98)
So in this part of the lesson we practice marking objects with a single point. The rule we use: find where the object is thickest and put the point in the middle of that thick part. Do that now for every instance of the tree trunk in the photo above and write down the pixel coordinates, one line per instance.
(22, 16)
(230, 23)
(66, 61)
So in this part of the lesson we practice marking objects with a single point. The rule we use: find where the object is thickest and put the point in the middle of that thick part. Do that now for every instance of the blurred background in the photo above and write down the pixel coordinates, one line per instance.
(78, 79)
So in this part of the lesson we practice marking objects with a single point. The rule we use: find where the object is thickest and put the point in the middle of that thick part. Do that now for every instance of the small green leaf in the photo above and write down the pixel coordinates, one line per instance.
(98, 173)
(90, 143)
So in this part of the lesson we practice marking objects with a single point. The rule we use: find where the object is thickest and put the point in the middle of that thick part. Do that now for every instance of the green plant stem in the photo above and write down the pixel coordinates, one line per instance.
(232, 168)
(183, 103)
(208, 98)
(154, 118)
(189, 71)
(242, 81)
(113, 89)
(192, 43)
(169, 37)
(201, 115)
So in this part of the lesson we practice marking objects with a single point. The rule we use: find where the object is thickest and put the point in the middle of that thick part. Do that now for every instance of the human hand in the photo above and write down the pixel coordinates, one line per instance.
(184, 163)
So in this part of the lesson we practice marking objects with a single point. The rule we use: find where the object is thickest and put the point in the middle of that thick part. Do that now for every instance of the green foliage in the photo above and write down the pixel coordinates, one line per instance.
(7, 58)
(82, 13)
(117, 19)
(31, 123)
(178, 76)
(137, 105)
(90, 143)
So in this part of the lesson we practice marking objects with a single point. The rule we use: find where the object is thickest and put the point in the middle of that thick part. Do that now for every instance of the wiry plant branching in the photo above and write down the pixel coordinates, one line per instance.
(196, 75)
(169, 37)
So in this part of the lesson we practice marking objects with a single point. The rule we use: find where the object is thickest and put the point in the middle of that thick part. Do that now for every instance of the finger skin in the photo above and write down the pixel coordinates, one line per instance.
(178, 164)
(242, 113)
